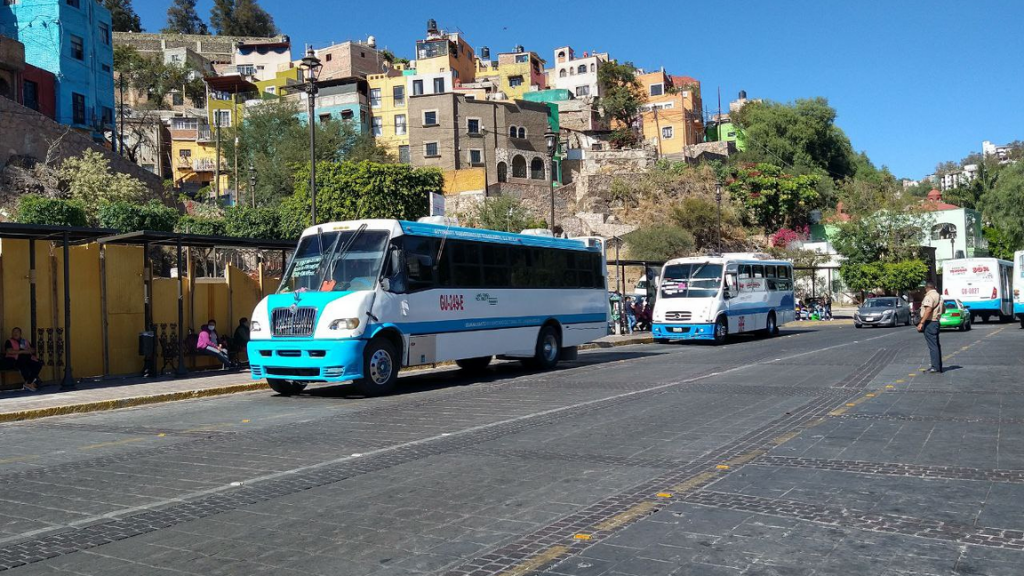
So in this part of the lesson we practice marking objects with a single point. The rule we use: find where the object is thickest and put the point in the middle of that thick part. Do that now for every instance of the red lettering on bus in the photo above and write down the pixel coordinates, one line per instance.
(452, 302)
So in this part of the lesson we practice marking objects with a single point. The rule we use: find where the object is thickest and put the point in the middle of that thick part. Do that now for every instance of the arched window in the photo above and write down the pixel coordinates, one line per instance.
(944, 231)
(512, 132)
(518, 166)
(572, 70)
(562, 73)
(593, 67)
(502, 172)
(561, 55)
(582, 69)
(536, 169)
(522, 132)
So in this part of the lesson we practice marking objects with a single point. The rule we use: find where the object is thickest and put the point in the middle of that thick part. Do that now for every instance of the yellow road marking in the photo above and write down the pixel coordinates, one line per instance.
(837, 412)
(641, 509)
(114, 443)
(788, 436)
(869, 395)
(743, 459)
(664, 494)
(582, 536)
(535, 562)
(246, 421)
(815, 422)
(890, 386)
(161, 435)
(722, 467)
(18, 459)
(898, 382)
(694, 482)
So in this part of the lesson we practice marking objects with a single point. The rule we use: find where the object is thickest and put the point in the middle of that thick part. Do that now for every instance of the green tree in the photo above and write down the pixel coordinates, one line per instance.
(132, 216)
(658, 242)
(999, 245)
(800, 135)
(503, 213)
(34, 209)
(122, 16)
(364, 146)
(621, 101)
(151, 77)
(699, 216)
(892, 277)
(182, 18)
(90, 181)
(246, 222)
(1003, 206)
(354, 190)
(201, 225)
(241, 18)
(773, 198)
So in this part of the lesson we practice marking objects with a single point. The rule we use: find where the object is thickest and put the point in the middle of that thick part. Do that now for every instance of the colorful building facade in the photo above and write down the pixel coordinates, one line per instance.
(520, 72)
(71, 39)
(389, 110)
(672, 114)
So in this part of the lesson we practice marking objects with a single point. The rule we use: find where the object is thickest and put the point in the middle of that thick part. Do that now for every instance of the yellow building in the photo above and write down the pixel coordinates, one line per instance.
(442, 52)
(520, 72)
(672, 114)
(389, 105)
(194, 154)
(272, 88)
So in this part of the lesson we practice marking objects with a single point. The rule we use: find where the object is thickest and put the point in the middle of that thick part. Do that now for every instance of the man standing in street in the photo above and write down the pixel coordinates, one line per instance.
(931, 309)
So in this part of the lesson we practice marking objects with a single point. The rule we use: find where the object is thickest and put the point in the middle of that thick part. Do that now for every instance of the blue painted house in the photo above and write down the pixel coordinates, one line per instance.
(73, 40)
(342, 100)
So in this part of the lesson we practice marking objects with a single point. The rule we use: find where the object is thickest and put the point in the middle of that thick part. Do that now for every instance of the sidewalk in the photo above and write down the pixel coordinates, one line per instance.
(94, 396)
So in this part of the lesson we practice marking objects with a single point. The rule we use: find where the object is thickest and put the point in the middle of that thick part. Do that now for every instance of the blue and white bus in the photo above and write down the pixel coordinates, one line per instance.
(709, 298)
(361, 299)
(982, 284)
(1018, 286)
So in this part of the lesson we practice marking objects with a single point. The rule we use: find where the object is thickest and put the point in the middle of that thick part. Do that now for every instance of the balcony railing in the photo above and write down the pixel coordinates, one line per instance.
(200, 164)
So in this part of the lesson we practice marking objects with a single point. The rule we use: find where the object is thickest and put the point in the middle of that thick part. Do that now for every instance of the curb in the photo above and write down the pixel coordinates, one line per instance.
(104, 405)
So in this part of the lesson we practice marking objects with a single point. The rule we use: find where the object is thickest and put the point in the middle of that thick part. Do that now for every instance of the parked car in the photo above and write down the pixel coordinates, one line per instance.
(955, 315)
(885, 311)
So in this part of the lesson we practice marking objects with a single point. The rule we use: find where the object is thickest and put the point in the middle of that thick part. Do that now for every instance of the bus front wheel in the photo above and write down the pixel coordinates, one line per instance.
(380, 368)
(548, 347)
(285, 387)
(721, 330)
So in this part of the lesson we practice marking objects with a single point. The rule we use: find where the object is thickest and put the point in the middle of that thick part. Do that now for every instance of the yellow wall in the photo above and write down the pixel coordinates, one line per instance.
(279, 81)
(200, 151)
(465, 64)
(465, 180)
(682, 117)
(505, 71)
(14, 290)
(388, 109)
(86, 311)
(125, 309)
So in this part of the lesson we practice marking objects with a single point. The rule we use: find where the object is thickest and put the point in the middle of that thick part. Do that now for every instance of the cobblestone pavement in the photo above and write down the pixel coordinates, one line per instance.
(825, 451)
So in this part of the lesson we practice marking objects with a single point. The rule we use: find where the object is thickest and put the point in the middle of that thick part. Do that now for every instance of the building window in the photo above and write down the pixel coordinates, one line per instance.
(375, 97)
(582, 91)
(77, 108)
(476, 157)
(77, 47)
(105, 33)
(473, 125)
(245, 69)
(105, 67)
(347, 115)
(222, 118)
(518, 166)
(399, 95)
(522, 132)
(667, 132)
(593, 67)
(328, 57)
(270, 89)
(430, 150)
(399, 124)
(403, 154)
(184, 153)
(515, 81)
(502, 172)
(512, 132)
(582, 69)
(537, 169)
(562, 73)
(657, 89)
(177, 99)
(521, 58)
(430, 117)
(438, 85)
(561, 55)
(74, 3)
(377, 125)
(30, 92)
(107, 115)
(470, 97)
(572, 70)
(417, 87)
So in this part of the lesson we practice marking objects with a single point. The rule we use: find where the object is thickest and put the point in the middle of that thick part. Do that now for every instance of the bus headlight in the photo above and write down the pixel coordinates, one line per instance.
(254, 326)
(344, 324)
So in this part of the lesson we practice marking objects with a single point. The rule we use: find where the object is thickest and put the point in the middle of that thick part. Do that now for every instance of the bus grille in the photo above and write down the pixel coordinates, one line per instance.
(299, 322)
(682, 316)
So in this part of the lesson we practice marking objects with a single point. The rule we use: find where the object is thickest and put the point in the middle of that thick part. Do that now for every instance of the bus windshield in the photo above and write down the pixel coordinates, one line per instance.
(336, 261)
(700, 280)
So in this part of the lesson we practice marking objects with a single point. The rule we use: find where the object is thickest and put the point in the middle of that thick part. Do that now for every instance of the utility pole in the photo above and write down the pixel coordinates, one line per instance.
(236, 198)
(216, 164)
(121, 127)
(657, 127)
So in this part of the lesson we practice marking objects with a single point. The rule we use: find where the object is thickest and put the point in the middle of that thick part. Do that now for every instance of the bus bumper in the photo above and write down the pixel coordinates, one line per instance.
(684, 331)
(307, 359)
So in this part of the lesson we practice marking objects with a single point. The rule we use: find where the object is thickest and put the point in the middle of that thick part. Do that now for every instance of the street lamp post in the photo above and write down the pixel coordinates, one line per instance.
(252, 184)
(551, 139)
(718, 201)
(311, 70)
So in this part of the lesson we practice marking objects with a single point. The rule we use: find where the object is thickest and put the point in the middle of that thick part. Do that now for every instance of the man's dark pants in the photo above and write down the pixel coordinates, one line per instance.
(931, 336)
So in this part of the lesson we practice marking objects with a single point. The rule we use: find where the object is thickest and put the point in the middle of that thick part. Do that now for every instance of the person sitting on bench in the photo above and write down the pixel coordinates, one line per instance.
(20, 355)
(209, 346)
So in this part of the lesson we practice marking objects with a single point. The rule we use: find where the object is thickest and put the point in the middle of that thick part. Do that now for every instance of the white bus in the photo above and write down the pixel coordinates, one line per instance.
(982, 284)
(1018, 286)
(361, 299)
(708, 298)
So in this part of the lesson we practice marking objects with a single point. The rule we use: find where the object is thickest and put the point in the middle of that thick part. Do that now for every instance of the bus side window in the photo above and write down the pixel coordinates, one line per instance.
(419, 263)
(730, 285)
(758, 271)
(744, 271)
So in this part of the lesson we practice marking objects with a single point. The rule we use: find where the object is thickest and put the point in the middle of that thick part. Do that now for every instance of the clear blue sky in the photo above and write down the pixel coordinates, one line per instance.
(915, 82)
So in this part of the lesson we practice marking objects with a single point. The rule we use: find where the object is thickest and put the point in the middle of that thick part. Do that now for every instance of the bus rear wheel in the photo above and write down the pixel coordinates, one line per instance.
(474, 365)
(721, 330)
(380, 368)
(549, 345)
(772, 326)
(285, 387)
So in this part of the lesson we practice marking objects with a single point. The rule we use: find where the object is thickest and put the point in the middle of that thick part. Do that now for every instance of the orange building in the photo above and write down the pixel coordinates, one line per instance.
(672, 114)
